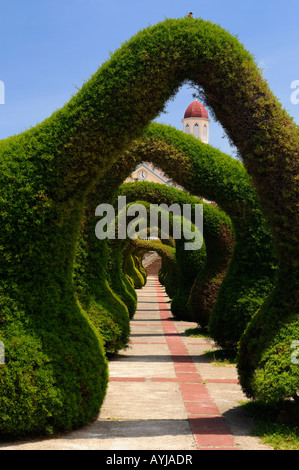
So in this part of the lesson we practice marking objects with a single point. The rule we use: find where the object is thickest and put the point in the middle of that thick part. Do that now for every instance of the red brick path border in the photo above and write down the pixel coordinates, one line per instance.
(208, 426)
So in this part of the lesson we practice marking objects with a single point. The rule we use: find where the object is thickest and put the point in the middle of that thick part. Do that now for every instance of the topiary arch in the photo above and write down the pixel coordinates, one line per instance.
(55, 375)
(207, 172)
(218, 237)
(187, 263)
(169, 272)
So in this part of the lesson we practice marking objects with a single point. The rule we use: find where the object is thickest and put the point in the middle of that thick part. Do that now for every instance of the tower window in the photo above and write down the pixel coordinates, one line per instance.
(187, 129)
(196, 130)
(205, 132)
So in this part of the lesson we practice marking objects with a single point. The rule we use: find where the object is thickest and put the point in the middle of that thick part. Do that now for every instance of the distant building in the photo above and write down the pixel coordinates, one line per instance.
(196, 122)
(146, 171)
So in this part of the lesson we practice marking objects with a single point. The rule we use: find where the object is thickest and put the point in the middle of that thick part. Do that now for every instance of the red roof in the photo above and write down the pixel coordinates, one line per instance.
(196, 109)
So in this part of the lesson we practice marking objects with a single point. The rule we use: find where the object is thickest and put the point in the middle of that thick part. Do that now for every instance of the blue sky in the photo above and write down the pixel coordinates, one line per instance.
(50, 47)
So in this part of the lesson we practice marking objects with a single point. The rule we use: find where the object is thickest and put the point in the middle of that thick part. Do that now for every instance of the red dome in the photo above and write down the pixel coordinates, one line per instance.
(196, 109)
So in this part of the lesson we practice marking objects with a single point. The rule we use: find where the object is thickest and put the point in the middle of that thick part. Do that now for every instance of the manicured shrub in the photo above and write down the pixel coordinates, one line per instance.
(138, 262)
(117, 279)
(131, 269)
(190, 263)
(209, 173)
(205, 289)
(106, 309)
(194, 298)
(168, 275)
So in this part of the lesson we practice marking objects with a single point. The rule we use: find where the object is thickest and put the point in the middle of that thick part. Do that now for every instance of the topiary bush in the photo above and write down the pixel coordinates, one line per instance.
(117, 279)
(106, 310)
(168, 275)
(205, 289)
(199, 288)
(190, 263)
(218, 177)
(131, 269)
(138, 262)
(105, 307)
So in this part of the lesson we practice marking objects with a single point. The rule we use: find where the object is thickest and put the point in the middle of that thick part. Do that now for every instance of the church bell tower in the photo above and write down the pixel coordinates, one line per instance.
(196, 121)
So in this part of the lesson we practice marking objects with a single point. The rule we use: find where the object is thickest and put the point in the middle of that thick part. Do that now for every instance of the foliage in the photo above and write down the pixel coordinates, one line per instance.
(117, 279)
(105, 308)
(132, 269)
(276, 425)
(203, 267)
(169, 272)
(241, 289)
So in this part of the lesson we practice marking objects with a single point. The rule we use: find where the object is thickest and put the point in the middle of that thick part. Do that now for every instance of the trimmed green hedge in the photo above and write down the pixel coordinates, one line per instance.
(168, 275)
(118, 280)
(55, 375)
(92, 274)
(131, 267)
(105, 308)
(207, 172)
(199, 287)
(139, 265)
(190, 263)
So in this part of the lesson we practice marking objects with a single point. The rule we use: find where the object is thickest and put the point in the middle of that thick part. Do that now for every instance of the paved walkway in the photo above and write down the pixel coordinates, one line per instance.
(163, 393)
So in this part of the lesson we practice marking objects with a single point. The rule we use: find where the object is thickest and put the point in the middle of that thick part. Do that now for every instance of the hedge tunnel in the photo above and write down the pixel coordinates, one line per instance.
(169, 264)
(218, 237)
(169, 272)
(55, 375)
(251, 273)
(178, 263)
(188, 263)
(207, 172)
(99, 278)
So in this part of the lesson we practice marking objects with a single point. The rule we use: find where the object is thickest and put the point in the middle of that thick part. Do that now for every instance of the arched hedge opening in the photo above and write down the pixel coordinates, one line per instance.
(169, 272)
(207, 172)
(219, 242)
(188, 263)
(177, 267)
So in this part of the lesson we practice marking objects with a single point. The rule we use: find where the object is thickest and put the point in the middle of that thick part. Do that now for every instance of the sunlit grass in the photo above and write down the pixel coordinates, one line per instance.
(221, 357)
(197, 332)
(276, 425)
